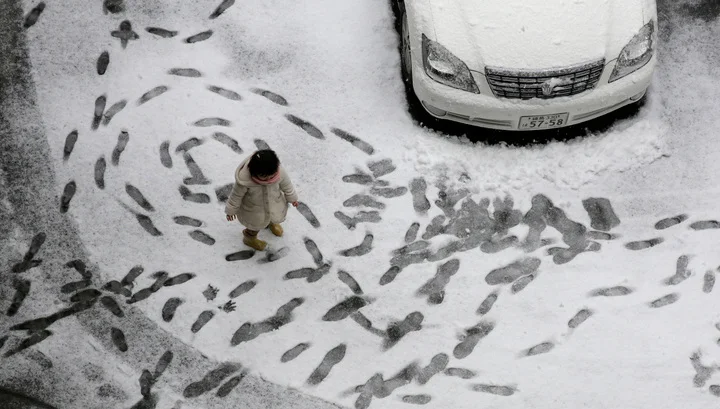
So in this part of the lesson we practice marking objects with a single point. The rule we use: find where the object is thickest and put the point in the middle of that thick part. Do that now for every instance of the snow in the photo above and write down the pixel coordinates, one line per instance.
(653, 166)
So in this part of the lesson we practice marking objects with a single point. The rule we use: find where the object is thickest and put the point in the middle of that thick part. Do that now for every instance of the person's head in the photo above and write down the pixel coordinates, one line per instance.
(263, 164)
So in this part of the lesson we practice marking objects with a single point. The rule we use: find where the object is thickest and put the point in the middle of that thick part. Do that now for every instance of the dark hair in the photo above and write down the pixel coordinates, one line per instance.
(263, 163)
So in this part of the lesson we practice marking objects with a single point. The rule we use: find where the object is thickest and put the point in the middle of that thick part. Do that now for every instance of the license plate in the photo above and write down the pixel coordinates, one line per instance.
(543, 121)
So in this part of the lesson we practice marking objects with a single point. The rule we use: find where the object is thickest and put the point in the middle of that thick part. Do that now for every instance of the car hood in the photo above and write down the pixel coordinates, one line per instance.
(534, 34)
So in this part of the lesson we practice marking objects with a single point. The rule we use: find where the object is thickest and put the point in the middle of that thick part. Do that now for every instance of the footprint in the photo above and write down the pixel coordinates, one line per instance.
(113, 6)
(22, 289)
(472, 338)
(131, 276)
(278, 99)
(223, 192)
(123, 139)
(494, 389)
(240, 255)
(360, 250)
(39, 358)
(715, 390)
(308, 214)
(664, 300)
(359, 200)
(113, 110)
(178, 279)
(187, 221)
(314, 251)
(522, 282)
(411, 233)
(212, 121)
(111, 305)
(372, 216)
(202, 237)
(226, 4)
(418, 189)
(306, 126)
(34, 339)
(441, 279)
(98, 111)
(538, 349)
(102, 62)
(332, 358)
(344, 309)
(202, 319)
(580, 317)
(168, 310)
(670, 221)
(185, 72)
(601, 235)
(67, 196)
(100, 167)
(460, 373)
(294, 352)
(141, 295)
(118, 338)
(354, 140)
(602, 215)
(390, 275)
(147, 224)
(702, 373)
(349, 281)
(487, 304)
(389, 193)
(513, 271)
(70, 288)
(116, 288)
(242, 289)
(162, 364)
(33, 15)
(189, 144)
(70, 140)
(161, 32)
(189, 196)
(153, 93)
(611, 291)
(358, 178)
(212, 380)
(165, 157)
(643, 244)
(705, 225)
(681, 271)
(226, 140)
(199, 37)
(420, 399)
(382, 167)
(708, 281)
(437, 364)
(138, 197)
(224, 92)
(225, 389)
(397, 330)
(261, 144)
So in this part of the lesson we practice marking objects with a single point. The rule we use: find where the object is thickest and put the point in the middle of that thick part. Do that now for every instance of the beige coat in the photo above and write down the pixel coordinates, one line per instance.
(256, 205)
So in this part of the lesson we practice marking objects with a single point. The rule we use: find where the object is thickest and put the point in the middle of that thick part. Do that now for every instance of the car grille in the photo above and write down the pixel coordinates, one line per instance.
(519, 84)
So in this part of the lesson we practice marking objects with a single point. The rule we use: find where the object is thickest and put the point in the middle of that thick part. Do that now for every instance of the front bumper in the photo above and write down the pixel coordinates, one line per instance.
(488, 111)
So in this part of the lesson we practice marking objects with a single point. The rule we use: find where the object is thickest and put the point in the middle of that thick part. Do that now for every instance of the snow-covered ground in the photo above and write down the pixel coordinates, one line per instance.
(336, 66)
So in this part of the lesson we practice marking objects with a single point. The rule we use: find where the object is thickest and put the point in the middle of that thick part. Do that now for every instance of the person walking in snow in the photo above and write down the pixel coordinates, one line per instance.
(260, 197)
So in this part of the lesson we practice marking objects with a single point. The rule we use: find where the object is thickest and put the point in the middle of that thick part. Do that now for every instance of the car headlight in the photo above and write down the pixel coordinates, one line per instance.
(442, 66)
(636, 53)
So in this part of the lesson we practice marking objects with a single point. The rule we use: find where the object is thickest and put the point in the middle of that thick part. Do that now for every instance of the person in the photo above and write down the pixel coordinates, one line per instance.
(260, 197)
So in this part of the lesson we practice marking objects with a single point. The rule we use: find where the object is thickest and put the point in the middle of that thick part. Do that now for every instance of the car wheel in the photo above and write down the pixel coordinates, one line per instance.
(405, 52)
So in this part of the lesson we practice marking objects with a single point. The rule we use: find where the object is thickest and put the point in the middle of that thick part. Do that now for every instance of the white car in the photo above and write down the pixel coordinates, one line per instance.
(527, 64)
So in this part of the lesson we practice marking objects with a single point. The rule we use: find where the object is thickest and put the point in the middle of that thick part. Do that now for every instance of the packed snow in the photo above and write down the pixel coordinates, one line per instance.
(336, 65)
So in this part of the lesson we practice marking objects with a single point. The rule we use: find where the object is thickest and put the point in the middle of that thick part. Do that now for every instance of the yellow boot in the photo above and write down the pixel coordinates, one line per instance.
(276, 229)
(250, 239)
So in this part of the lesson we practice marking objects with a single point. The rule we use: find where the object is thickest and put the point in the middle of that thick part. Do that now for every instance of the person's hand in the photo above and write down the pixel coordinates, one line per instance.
(231, 217)
(295, 204)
